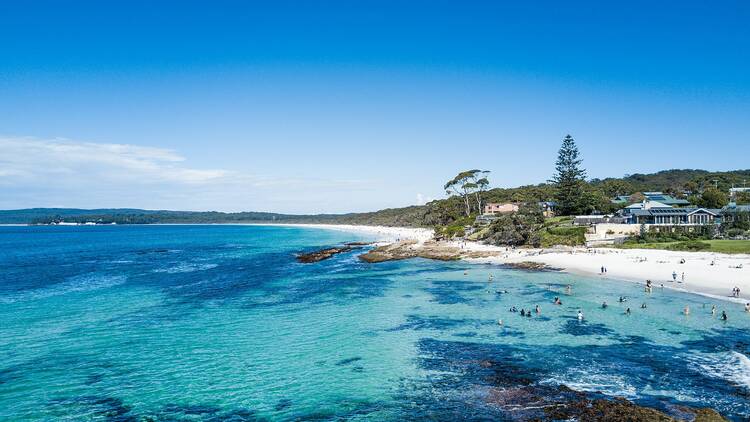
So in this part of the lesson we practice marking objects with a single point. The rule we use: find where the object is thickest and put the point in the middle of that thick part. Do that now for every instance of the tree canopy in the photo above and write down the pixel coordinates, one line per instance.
(570, 180)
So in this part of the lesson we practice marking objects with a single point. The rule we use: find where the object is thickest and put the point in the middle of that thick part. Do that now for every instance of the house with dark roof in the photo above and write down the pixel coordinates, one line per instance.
(656, 197)
(658, 213)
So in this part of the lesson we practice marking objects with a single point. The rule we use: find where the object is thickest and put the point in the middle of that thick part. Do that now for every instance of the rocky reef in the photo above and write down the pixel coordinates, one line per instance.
(316, 256)
(412, 249)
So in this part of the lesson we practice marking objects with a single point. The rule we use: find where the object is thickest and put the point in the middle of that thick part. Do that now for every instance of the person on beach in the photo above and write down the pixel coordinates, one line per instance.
(723, 315)
(686, 311)
(674, 275)
(683, 277)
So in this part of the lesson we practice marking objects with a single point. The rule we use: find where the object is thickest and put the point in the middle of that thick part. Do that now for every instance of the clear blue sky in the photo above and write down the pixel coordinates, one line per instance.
(333, 106)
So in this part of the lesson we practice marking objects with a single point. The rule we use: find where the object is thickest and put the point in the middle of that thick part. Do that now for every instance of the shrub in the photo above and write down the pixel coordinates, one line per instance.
(691, 245)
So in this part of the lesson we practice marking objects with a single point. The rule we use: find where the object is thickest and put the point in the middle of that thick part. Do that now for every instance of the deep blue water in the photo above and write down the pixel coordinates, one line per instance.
(221, 323)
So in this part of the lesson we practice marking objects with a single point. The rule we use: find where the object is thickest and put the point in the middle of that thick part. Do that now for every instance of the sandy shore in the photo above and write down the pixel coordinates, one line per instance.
(634, 265)
(383, 234)
(639, 265)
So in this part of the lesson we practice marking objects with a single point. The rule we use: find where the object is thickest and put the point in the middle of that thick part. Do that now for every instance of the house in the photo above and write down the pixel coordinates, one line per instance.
(497, 208)
(658, 213)
(654, 196)
(732, 211)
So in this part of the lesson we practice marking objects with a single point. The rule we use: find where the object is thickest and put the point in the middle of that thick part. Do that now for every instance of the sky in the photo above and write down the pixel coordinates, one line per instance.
(344, 106)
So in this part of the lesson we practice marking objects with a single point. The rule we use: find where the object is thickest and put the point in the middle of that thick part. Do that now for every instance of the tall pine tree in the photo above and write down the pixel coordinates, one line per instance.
(569, 180)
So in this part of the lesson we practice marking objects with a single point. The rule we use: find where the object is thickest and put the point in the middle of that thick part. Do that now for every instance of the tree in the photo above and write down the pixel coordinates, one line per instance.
(467, 183)
(742, 198)
(462, 185)
(480, 184)
(636, 197)
(713, 198)
(569, 180)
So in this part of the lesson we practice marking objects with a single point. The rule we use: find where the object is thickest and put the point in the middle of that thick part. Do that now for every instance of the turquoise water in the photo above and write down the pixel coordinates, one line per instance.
(220, 323)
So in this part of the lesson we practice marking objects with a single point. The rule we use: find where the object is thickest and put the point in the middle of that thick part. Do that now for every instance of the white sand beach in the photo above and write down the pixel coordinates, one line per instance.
(705, 273)
(710, 274)
(382, 233)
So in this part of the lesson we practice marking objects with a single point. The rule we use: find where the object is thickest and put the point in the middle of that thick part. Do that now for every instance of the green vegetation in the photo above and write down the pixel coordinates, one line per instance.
(718, 245)
(711, 198)
(571, 191)
(467, 192)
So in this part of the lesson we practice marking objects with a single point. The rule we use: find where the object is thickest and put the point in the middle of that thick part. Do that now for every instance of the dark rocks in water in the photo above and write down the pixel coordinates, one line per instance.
(283, 404)
(618, 409)
(317, 256)
(530, 266)
(348, 361)
(358, 243)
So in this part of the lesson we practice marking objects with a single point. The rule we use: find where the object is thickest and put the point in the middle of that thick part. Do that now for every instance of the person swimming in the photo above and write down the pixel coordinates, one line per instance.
(643, 305)
(513, 309)
(747, 307)
(627, 311)
(523, 313)
(723, 315)
(537, 310)
(686, 311)
(713, 310)
(500, 322)
(580, 315)
(604, 305)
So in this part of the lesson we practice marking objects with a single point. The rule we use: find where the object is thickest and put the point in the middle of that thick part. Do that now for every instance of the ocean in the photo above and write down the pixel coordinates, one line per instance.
(194, 323)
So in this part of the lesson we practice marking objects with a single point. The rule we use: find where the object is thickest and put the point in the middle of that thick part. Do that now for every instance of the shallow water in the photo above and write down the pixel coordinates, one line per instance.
(221, 323)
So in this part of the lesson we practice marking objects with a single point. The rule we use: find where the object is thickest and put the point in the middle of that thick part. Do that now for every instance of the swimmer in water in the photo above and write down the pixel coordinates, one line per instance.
(627, 311)
(580, 315)
(500, 322)
(523, 313)
(643, 305)
(713, 310)
(723, 315)
(686, 311)
(747, 307)
(537, 310)
(604, 305)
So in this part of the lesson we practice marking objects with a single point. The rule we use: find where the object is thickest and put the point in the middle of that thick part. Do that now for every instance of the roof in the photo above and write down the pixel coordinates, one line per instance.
(647, 205)
(655, 196)
(733, 207)
(674, 211)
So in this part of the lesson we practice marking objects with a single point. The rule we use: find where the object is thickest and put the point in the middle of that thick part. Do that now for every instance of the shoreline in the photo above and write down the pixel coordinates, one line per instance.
(630, 265)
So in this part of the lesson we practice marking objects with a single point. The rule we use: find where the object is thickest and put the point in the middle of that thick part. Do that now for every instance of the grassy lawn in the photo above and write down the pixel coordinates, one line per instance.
(721, 246)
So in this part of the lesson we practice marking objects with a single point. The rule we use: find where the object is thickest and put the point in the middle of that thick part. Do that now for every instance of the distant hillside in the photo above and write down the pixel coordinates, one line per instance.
(686, 179)
(439, 212)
